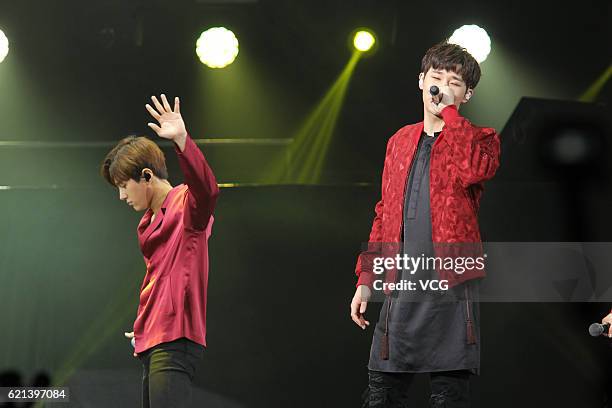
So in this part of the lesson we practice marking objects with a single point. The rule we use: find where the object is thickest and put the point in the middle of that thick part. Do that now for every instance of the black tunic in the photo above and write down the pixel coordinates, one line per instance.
(427, 329)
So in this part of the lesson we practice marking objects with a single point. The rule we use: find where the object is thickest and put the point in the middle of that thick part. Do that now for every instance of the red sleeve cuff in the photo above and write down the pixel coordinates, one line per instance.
(366, 278)
(450, 113)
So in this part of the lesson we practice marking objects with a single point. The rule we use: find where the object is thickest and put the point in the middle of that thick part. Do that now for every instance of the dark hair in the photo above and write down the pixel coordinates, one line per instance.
(452, 57)
(129, 157)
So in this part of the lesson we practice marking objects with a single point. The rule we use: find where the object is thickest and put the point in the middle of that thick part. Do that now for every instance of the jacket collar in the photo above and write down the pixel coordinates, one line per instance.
(146, 227)
(417, 129)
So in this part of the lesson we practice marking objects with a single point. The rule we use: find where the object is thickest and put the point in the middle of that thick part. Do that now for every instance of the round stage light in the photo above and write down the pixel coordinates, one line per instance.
(4, 46)
(217, 47)
(474, 39)
(364, 40)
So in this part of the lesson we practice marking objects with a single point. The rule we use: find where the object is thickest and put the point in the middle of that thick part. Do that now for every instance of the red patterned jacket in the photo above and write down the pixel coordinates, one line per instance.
(462, 158)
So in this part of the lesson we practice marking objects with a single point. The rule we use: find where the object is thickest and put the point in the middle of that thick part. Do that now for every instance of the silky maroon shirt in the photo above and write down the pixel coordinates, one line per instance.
(175, 249)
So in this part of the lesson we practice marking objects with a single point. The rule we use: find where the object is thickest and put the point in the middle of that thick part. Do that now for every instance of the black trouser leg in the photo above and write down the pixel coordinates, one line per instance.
(389, 390)
(145, 385)
(450, 389)
(168, 371)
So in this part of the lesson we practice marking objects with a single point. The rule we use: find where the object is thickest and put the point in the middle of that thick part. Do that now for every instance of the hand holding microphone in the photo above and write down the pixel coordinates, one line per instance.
(602, 329)
(435, 93)
(441, 97)
(597, 329)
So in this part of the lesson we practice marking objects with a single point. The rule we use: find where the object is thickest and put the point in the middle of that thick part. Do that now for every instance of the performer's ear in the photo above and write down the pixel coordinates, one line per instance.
(421, 76)
(146, 175)
(468, 95)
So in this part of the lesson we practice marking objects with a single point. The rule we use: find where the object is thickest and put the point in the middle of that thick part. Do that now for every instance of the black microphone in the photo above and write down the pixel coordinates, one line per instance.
(435, 91)
(597, 329)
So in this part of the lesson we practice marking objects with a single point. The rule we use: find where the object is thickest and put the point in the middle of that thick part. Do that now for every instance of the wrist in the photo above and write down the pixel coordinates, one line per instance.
(181, 137)
(449, 113)
(180, 141)
(365, 291)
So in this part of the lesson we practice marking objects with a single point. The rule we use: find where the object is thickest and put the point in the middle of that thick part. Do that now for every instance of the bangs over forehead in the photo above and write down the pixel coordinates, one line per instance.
(452, 58)
(122, 169)
(129, 157)
(456, 69)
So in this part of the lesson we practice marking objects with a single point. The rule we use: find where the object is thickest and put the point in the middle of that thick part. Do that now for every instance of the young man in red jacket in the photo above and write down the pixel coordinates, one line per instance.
(431, 187)
(170, 328)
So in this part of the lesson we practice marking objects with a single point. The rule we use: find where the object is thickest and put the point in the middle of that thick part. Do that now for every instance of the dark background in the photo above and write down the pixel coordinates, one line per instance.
(282, 257)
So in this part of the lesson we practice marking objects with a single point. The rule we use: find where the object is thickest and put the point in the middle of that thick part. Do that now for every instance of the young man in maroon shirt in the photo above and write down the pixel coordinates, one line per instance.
(170, 328)
(432, 183)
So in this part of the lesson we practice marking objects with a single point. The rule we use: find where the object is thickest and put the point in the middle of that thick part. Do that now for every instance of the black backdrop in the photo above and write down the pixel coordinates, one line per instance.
(282, 257)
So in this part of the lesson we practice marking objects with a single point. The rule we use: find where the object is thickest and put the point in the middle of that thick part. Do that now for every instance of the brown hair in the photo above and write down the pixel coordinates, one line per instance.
(129, 157)
(454, 58)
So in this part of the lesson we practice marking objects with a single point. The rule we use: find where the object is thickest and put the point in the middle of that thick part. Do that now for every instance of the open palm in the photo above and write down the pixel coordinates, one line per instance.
(171, 125)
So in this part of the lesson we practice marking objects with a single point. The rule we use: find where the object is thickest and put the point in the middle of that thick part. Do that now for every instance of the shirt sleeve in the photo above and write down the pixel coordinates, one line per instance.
(476, 150)
(202, 186)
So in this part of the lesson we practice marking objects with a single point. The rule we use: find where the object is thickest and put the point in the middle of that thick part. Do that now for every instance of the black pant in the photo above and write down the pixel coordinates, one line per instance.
(449, 389)
(168, 371)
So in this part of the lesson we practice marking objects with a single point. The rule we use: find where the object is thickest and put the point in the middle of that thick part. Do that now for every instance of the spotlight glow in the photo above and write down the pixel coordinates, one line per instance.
(4, 46)
(363, 40)
(217, 47)
(474, 39)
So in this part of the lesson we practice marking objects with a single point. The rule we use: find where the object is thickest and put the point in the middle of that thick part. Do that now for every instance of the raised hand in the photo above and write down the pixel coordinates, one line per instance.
(171, 125)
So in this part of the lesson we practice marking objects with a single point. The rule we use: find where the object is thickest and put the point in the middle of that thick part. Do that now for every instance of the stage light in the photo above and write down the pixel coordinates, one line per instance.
(306, 156)
(474, 39)
(593, 91)
(217, 47)
(4, 46)
(363, 40)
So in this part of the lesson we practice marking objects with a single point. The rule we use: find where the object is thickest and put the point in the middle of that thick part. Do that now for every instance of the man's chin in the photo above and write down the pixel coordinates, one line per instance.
(434, 113)
(430, 110)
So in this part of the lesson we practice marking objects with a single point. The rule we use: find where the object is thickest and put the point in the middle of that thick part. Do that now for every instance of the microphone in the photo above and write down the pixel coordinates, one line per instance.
(435, 91)
(597, 329)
